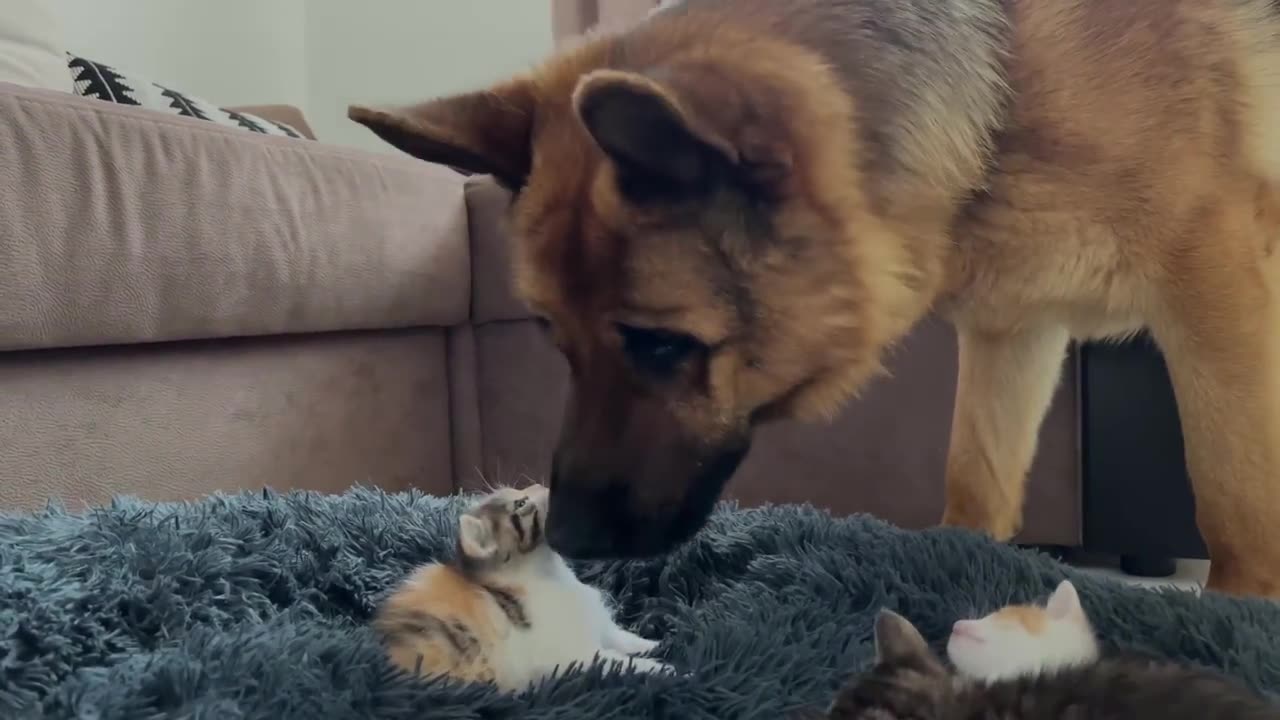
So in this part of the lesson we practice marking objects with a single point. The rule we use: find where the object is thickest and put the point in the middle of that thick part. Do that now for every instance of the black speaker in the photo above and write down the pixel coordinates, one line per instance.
(1137, 500)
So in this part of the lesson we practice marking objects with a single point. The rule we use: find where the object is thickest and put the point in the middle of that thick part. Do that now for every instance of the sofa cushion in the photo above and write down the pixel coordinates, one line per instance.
(494, 298)
(104, 82)
(120, 225)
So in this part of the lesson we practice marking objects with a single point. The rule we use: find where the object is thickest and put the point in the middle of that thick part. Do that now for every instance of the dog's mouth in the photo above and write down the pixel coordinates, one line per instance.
(605, 523)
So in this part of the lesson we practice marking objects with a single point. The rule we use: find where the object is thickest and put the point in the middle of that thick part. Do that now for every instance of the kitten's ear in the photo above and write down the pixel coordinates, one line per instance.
(898, 641)
(476, 539)
(1064, 602)
(486, 132)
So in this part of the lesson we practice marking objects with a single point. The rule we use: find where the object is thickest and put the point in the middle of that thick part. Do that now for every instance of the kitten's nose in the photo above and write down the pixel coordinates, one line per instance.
(967, 629)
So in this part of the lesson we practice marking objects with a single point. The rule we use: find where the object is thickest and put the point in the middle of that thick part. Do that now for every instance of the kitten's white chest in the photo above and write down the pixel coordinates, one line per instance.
(567, 622)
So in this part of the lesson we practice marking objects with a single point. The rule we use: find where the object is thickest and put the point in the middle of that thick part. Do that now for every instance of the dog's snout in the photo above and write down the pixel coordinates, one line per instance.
(587, 524)
(633, 484)
(555, 470)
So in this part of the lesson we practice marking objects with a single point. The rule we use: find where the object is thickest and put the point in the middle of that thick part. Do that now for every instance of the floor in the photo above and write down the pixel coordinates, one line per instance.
(1191, 575)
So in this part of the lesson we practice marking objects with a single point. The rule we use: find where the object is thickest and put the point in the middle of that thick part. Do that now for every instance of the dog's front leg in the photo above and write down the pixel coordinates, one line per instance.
(1219, 337)
(1003, 390)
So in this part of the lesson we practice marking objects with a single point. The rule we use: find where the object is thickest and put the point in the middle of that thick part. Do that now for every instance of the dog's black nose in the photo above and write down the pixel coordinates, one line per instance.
(600, 510)
(573, 543)
(579, 527)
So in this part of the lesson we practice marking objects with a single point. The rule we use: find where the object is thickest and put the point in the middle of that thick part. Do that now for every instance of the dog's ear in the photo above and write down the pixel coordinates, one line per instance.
(674, 132)
(486, 132)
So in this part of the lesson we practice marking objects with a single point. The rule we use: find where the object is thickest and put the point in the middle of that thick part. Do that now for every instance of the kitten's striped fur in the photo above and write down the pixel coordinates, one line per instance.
(908, 682)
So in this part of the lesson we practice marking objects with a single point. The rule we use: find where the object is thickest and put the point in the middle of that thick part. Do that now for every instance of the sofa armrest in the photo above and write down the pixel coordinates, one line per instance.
(122, 225)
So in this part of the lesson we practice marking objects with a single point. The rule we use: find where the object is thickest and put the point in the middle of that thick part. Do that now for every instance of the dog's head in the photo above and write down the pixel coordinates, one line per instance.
(695, 237)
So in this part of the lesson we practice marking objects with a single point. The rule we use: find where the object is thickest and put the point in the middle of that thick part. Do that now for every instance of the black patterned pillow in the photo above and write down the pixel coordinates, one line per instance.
(96, 80)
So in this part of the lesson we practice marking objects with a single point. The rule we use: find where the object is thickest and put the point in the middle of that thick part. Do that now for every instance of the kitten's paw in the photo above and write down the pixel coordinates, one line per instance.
(632, 644)
(645, 665)
(627, 642)
(639, 664)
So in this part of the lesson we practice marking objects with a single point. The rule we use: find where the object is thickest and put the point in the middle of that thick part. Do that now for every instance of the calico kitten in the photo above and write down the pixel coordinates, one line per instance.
(1025, 639)
(908, 682)
(508, 610)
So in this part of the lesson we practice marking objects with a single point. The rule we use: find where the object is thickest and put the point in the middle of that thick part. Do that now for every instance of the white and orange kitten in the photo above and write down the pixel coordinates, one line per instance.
(1021, 640)
(508, 610)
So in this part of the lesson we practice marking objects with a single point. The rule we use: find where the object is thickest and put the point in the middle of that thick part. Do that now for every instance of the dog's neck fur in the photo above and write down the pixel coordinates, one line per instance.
(928, 109)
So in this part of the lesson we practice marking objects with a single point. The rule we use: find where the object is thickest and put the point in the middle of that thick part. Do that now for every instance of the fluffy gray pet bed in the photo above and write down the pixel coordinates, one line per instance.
(256, 607)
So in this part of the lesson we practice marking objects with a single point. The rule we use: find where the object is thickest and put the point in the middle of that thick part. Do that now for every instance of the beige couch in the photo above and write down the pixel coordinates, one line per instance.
(186, 308)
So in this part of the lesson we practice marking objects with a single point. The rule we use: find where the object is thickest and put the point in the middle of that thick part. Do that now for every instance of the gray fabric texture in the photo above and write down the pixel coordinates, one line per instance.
(257, 606)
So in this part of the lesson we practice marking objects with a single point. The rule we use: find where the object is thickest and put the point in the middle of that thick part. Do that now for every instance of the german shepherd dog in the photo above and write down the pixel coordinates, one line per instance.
(727, 213)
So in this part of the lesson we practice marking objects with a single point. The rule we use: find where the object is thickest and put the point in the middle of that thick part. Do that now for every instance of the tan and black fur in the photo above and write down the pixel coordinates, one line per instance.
(728, 213)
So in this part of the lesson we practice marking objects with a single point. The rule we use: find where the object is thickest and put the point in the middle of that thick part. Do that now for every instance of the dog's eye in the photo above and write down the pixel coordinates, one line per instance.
(657, 352)
(519, 503)
(548, 331)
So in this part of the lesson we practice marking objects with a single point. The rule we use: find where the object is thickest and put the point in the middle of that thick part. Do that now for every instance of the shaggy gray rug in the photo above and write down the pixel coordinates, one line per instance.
(256, 606)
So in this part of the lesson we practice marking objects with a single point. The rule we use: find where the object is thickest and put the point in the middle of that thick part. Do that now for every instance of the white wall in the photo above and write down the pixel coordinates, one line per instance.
(232, 52)
(398, 51)
(320, 55)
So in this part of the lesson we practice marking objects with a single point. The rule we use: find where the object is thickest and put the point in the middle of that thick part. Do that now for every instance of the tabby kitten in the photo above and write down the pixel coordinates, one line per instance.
(909, 682)
(508, 610)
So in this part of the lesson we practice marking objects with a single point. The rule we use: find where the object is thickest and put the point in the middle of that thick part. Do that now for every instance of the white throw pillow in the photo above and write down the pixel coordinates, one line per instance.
(32, 47)
(101, 81)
